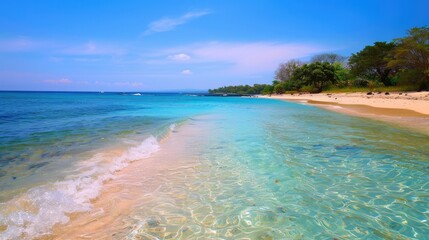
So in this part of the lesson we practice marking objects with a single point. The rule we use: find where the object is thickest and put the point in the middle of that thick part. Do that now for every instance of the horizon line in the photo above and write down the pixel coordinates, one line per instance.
(84, 91)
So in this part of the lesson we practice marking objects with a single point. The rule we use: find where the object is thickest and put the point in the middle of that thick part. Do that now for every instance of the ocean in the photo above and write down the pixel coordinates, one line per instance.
(178, 166)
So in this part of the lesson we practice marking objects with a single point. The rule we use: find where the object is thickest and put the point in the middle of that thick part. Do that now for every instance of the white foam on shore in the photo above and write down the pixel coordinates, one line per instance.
(34, 213)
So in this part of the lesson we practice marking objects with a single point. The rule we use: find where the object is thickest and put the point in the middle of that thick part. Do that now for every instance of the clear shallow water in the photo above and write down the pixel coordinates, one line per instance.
(41, 130)
(267, 170)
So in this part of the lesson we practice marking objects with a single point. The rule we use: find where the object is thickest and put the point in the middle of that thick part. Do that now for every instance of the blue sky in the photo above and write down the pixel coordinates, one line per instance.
(171, 45)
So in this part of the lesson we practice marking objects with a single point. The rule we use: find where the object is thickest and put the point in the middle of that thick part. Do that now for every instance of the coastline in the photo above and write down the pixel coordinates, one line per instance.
(138, 187)
(410, 110)
(207, 187)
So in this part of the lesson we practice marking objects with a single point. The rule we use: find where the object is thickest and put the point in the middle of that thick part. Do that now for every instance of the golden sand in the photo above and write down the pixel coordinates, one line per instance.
(410, 110)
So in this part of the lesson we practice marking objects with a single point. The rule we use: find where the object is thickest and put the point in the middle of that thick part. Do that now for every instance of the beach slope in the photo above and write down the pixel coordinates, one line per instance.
(409, 109)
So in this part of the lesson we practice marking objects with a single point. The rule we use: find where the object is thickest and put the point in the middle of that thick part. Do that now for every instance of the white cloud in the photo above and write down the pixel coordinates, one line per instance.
(179, 57)
(186, 72)
(168, 24)
(247, 58)
(58, 81)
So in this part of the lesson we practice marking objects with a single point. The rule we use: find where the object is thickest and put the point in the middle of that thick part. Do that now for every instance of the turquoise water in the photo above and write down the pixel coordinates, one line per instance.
(51, 131)
(268, 170)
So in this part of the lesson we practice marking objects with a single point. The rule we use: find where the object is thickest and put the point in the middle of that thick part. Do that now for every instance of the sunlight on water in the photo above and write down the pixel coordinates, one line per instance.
(251, 183)
(233, 169)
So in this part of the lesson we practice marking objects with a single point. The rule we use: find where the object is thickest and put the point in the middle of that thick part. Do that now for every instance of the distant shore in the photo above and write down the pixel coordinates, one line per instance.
(409, 109)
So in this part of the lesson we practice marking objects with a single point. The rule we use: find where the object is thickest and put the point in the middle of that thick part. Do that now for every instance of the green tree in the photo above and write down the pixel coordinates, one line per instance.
(342, 74)
(372, 62)
(268, 89)
(279, 89)
(411, 56)
(240, 89)
(318, 75)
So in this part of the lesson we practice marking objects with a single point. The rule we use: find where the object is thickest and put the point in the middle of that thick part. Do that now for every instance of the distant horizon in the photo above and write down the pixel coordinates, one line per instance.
(116, 46)
(85, 91)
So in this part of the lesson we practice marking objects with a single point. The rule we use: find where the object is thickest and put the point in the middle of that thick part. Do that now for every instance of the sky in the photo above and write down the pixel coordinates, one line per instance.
(103, 45)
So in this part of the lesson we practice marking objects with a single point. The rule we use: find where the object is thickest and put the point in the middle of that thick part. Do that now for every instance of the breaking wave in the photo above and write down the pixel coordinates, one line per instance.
(34, 213)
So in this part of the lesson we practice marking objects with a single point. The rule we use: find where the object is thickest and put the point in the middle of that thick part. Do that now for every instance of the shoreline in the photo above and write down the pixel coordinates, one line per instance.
(136, 187)
(177, 192)
(409, 110)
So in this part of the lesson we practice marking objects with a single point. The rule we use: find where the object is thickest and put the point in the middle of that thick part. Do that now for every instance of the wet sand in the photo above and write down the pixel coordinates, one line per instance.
(409, 110)
(135, 186)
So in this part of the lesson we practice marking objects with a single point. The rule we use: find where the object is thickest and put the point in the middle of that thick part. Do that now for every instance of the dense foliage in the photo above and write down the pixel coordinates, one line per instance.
(240, 89)
(372, 63)
(402, 62)
(411, 57)
(318, 75)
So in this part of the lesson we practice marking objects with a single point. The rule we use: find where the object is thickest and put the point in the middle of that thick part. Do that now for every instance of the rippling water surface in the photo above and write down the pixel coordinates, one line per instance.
(262, 169)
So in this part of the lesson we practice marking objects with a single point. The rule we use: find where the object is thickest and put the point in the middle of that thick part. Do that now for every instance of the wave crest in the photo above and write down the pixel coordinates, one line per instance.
(33, 214)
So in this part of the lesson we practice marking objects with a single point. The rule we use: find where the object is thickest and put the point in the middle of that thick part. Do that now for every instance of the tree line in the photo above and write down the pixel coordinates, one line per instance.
(240, 89)
(402, 62)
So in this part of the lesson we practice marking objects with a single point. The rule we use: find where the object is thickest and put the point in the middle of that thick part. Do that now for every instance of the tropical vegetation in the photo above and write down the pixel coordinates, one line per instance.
(402, 64)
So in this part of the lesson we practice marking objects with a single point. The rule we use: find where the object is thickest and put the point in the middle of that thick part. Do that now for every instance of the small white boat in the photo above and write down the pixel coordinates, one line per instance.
(137, 94)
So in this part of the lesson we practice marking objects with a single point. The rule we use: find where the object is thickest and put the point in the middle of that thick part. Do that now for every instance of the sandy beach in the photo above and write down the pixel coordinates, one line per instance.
(409, 109)
(139, 187)
(215, 168)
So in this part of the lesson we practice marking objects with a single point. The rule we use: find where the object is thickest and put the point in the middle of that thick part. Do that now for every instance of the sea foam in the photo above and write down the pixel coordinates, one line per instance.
(172, 127)
(34, 213)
